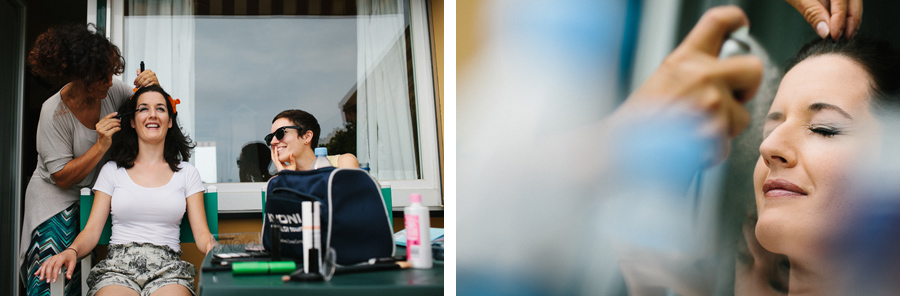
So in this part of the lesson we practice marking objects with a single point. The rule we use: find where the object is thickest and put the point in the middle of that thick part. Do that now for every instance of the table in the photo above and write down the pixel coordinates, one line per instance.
(390, 282)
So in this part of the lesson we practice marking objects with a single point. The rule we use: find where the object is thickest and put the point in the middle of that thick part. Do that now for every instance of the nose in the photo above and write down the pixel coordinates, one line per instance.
(776, 150)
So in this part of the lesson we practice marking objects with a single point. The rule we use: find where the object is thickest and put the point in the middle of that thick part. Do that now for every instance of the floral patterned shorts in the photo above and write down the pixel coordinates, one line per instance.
(143, 267)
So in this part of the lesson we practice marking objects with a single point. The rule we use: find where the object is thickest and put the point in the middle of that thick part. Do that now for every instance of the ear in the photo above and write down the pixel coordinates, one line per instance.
(170, 122)
(308, 135)
(132, 122)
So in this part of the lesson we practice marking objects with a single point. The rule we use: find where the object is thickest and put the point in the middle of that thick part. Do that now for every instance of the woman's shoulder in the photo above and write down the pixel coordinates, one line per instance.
(110, 165)
(347, 160)
(53, 107)
(184, 165)
(111, 169)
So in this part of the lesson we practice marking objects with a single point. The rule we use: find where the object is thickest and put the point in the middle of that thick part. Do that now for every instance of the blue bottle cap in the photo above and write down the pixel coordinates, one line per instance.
(321, 151)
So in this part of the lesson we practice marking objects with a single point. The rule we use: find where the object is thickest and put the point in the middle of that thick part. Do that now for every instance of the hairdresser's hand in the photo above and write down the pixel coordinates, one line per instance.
(833, 18)
(106, 128)
(279, 166)
(49, 270)
(693, 78)
(146, 78)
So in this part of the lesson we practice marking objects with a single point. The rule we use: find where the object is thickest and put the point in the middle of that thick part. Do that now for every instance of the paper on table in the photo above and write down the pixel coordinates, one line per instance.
(400, 236)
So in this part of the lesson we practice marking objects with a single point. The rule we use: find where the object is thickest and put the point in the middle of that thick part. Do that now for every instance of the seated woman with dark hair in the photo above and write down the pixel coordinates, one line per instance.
(73, 136)
(295, 133)
(827, 119)
(146, 188)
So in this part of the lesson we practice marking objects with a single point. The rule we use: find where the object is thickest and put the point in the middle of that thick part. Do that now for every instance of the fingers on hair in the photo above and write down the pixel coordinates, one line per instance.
(838, 19)
(854, 17)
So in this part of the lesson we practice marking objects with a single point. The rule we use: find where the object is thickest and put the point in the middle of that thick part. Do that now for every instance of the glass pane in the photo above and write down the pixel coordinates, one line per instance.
(236, 64)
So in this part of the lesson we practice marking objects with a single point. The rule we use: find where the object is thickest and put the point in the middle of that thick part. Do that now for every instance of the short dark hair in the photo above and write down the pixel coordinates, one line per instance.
(124, 148)
(879, 58)
(70, 52)
(303, 119)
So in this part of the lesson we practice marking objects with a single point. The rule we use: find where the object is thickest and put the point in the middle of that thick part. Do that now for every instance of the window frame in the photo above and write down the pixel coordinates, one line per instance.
(242, 197)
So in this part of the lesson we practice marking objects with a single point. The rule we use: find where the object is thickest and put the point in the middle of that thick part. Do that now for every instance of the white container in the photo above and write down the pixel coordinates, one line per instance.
(418, 238)
(306, 218)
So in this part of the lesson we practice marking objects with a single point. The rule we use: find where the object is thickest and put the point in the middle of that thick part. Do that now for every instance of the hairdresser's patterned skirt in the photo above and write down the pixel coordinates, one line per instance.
(48, 239)
(143, 267)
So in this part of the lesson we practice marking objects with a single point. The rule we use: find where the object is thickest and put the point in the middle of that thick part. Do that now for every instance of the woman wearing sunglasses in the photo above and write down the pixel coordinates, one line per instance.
(295, 133)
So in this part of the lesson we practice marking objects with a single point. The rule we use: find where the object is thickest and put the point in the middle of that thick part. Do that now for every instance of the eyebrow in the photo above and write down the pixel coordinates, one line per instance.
(816, 107)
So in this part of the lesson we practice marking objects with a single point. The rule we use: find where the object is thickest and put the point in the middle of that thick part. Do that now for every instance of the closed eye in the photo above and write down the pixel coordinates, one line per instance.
(825, 131)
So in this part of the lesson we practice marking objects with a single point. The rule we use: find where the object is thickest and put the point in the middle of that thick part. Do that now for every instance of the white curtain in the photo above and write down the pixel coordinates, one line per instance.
(161, 33)
(384, 130)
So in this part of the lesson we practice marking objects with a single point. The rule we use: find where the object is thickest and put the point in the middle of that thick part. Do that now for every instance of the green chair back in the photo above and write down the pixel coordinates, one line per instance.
(210, 203)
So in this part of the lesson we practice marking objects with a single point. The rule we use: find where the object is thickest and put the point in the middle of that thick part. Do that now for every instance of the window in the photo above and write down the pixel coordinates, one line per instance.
(362, 68)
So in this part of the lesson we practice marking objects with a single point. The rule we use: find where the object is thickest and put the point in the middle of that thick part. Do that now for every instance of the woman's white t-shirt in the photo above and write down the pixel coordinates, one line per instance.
(147, 215)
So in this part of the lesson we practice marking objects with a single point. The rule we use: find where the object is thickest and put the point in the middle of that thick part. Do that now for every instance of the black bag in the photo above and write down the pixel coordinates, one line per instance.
(355, 221)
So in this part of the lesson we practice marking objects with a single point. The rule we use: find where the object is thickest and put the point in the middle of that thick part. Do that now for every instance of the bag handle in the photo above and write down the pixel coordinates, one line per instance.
(303, 196)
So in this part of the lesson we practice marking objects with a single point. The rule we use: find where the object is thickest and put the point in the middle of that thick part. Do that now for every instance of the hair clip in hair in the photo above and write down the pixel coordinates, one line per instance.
(171, 101)
(174, 102)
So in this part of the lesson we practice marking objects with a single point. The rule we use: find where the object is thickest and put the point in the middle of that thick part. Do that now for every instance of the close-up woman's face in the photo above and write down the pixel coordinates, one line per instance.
(819, 127)
(290, 142)
(151, 117)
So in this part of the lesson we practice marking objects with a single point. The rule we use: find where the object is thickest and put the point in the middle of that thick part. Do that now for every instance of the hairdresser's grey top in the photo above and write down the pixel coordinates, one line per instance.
(61, 138)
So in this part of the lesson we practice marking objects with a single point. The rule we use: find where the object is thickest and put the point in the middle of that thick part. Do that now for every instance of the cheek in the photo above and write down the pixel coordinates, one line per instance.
(829, 170)
(290, 141)
(759, 177)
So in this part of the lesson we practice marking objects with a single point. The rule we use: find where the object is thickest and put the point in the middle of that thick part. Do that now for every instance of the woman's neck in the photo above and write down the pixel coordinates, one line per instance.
(815, 276)
(305, 161)
(150, 153)
(75, 95)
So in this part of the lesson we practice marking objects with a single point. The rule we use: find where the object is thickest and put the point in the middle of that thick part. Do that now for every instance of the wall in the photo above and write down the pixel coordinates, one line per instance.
(436, 24)
(12, 29)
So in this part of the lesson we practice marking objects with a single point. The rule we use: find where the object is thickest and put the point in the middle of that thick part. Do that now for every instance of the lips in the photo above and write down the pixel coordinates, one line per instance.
(782, 188)
(152, 125)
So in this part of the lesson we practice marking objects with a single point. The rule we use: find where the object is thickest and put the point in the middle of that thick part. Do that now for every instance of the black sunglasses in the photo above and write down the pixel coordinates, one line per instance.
(279, 133)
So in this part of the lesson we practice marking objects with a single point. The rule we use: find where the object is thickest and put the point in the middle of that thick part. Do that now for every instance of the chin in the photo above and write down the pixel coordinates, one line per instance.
(782, 232)
(770, 232)
(778, 231)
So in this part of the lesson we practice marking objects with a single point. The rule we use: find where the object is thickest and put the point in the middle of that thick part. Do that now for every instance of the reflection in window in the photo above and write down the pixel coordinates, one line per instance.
(236, 64)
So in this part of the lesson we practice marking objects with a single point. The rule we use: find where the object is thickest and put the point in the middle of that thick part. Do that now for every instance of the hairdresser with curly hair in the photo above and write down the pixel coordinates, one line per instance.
(73, 135)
